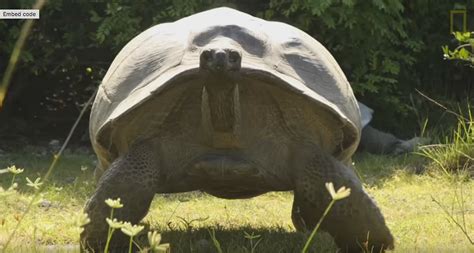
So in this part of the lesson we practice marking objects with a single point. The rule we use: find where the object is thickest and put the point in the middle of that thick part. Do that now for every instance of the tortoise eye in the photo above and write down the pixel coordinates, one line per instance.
(206, 55)
(234, 56)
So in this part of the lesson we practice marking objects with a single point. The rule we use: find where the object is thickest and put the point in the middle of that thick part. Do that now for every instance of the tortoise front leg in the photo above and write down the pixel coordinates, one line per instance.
(356, 223)
(133, 179)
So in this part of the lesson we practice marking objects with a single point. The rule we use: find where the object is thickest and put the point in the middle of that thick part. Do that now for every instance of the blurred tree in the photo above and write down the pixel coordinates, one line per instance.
(387, 48)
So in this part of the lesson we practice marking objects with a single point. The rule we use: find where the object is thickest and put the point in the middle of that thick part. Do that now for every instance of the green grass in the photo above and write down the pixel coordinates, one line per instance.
(455, 153)
(186, 220)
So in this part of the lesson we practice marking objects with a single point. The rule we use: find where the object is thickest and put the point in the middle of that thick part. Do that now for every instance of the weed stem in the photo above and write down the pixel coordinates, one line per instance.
(315, 230)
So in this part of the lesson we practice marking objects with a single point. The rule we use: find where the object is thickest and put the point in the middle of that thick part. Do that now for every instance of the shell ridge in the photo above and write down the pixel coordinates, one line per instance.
(134, 49)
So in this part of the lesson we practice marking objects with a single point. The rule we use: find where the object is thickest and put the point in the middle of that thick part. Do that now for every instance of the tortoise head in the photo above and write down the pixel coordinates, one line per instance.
(220, 60)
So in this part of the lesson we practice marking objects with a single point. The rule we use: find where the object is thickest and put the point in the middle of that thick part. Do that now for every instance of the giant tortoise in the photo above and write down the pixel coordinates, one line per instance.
(234, 106)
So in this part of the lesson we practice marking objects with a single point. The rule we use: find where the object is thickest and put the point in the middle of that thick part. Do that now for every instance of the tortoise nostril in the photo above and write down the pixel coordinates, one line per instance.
(220, 57)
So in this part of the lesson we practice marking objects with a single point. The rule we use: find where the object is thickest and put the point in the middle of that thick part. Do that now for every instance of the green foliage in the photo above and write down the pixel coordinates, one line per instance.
(383, 46)
(456, 153)
(369, 39)
(462, 52)
(365, 36)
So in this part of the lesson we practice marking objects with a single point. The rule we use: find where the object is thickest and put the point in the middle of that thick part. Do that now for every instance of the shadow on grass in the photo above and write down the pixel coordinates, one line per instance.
(371, 168)
(239, 240)
(230, 240)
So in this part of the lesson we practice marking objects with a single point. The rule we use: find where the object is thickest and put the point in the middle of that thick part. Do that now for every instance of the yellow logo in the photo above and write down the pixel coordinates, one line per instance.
(459, 14)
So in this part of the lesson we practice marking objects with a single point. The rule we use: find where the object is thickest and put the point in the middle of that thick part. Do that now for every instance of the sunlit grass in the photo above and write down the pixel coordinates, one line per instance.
(184, 220)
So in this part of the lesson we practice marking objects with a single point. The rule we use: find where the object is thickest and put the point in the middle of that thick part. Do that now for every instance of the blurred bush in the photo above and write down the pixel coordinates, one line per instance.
(387, 48)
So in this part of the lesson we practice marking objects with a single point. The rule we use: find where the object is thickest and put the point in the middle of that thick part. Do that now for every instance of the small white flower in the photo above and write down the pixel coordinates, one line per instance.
(84, 168)
(114, 223)
(14, 170)
(130, 230)
(342, 193)
(114, 203)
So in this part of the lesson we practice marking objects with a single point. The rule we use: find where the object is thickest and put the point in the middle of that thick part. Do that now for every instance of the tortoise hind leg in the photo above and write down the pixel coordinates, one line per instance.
(356, 223)
(133, 179)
